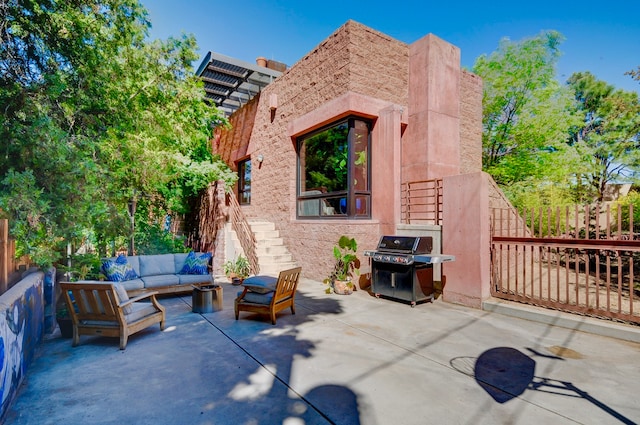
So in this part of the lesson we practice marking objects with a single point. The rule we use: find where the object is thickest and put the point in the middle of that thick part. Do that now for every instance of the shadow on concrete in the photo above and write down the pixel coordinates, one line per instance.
(506, 373)
(274, 349)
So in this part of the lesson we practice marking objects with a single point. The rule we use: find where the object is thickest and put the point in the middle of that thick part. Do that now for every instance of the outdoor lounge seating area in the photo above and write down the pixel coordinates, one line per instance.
(163, 273)
(340, 359)
(269, 295)
(105, 309)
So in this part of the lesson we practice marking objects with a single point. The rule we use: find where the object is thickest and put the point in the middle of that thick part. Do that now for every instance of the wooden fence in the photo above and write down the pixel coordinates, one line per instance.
(9, 266)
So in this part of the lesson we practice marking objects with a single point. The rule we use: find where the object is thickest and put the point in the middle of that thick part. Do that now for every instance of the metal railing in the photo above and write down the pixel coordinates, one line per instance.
(581, 259)
(243, 231)
(421, 202)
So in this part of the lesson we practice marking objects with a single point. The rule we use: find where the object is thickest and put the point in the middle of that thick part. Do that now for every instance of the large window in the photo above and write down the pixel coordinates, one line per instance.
(244, 182)
(333, 171)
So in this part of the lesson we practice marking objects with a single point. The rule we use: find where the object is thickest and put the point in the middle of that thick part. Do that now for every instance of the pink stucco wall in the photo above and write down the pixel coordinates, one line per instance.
(466, 234)
(421, 129)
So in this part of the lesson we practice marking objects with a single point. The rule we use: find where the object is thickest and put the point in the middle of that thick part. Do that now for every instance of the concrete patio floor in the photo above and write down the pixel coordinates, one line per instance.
(342, 360)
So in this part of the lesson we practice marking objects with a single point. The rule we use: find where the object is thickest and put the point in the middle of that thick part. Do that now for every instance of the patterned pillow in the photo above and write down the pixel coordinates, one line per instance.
(119, 269)
(196, 264)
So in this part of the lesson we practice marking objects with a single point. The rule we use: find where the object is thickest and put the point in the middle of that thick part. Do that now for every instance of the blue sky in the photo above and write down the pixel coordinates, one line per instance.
(601, 37)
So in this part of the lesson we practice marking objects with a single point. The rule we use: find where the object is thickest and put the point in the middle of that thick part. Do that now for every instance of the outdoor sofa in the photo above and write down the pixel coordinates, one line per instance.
(163, 273)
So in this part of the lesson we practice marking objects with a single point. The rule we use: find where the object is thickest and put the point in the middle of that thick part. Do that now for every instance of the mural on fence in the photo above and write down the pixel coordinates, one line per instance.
(21, 329)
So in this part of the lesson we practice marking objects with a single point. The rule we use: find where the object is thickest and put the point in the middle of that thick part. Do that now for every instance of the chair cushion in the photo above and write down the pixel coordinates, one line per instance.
(256, 298)
(196, 263)
(260, 284)
(140, 310)
(122, 297)
(118, 270)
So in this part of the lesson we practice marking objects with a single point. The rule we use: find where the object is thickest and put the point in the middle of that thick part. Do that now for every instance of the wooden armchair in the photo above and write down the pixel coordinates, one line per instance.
(270, 299)
(105, 309)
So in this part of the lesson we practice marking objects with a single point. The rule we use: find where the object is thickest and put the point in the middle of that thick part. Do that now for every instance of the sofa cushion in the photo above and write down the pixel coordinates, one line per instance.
(118, 270)
(131, 285)
(196, 263)
(189, 279)
(134, 260)
(160, 280)
(153, 265)
(260, 284)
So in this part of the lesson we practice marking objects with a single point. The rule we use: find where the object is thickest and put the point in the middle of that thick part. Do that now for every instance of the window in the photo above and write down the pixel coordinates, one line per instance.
(244, 182)
(333, 171)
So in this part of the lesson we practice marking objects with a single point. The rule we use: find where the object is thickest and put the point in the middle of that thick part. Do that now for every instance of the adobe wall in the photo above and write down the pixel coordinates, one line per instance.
(466, 234)
(359, 70)
(347, 66)
(470, 123)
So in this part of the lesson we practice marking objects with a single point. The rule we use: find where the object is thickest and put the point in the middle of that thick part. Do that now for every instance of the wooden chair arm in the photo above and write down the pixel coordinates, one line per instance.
(150, 294)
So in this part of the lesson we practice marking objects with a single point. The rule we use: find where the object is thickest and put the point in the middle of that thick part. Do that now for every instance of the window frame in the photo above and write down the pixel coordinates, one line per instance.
(244, 190)
(351, 195)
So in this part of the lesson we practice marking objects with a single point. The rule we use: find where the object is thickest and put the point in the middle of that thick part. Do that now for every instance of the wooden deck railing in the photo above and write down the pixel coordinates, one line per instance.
(9, 266)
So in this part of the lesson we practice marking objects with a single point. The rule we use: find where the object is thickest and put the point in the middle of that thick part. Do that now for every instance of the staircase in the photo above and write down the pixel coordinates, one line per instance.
(273, 256)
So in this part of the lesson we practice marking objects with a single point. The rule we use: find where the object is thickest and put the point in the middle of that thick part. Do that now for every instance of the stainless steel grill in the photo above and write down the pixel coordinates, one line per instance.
(402, 268)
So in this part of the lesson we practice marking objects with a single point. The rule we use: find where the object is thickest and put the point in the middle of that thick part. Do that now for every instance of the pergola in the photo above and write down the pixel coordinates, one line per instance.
(230, 83)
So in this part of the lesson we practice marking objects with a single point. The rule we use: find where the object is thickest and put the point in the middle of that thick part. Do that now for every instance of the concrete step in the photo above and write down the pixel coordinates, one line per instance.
(274, 258)
(273, 255)
(275, 241)
(262, 226)
(265, 234)
(275, 269)
(271, 250)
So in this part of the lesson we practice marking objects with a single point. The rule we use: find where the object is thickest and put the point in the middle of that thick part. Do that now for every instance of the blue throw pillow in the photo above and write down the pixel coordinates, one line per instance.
(118, 270)
(196, 263)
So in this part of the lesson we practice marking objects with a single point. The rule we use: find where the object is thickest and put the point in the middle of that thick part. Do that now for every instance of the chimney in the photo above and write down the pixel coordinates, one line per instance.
(261, 61)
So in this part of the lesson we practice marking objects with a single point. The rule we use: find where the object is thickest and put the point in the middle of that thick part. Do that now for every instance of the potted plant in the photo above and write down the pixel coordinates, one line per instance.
(346, 267)
(237, 270)
(64, 320)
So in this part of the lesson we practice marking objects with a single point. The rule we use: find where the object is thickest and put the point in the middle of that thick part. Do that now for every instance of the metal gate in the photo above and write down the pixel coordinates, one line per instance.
(581, 259)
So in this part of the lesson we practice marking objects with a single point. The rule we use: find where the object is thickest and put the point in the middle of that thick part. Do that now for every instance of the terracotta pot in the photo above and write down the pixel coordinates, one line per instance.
(342, 287)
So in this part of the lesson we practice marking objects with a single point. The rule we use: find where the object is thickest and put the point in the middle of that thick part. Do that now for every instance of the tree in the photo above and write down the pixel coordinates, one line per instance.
(526, 112)
(93, 115)
(609, 137)
(634, 73)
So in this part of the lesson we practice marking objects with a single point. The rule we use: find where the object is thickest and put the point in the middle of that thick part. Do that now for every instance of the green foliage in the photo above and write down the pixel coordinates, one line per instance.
(526, 113)
(347, 263)
(83, 266)
(151, 238)
(633, 199)
(239, 267)
(608, 139)
(93, 115)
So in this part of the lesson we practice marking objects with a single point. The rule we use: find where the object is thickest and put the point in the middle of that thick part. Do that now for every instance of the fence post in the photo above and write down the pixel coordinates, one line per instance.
(4, 255)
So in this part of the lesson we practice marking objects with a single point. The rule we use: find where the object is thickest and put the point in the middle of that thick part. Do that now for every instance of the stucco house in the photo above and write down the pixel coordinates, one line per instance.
(327, 147)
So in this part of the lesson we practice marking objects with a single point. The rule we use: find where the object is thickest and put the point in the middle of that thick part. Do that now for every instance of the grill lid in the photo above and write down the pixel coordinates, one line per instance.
(406, 244)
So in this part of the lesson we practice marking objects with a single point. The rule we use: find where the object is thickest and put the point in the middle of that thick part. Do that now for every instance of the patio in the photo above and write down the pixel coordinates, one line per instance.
(341, 359)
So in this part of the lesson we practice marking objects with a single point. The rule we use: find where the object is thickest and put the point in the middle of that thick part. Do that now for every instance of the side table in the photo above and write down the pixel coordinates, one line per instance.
(206, 299)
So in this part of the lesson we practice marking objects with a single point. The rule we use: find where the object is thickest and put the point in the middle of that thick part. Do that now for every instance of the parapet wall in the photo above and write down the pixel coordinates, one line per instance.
(21, 332)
